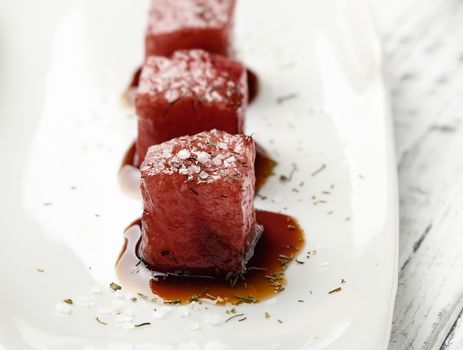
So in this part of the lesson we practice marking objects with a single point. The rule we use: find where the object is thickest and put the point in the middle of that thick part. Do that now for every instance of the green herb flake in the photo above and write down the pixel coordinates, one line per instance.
(100, 321)
(284, 98)
(287, 178)
(173, 301)
(210, 296)
(68, 301)
(232, 317)
(143, 324)
(40, 270)
(337, 290)
(143, 296)
(267, 315)
(115, 286)
(250, 299)
(194, 298)
(319, 170)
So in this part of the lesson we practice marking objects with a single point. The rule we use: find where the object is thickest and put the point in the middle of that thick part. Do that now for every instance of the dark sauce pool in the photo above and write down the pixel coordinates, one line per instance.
(279, 245)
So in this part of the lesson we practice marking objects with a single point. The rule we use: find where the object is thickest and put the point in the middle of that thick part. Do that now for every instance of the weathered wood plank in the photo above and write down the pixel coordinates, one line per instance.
(454, 339)
(424, 67)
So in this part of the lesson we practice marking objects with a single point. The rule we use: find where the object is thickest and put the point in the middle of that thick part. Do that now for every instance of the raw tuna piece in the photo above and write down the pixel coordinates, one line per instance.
(190, 24)
(192, 92)
(198, 194)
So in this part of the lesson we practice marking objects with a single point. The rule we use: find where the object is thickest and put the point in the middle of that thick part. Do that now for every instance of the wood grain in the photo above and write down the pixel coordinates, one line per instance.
(423, 42)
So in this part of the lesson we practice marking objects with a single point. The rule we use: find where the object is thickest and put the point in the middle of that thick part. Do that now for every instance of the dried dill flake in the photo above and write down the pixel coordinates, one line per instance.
(337, 290)
(319, 170)
(100, 321)
(115, 286)
(284, 98)
(143, 324)
(173, 301)
(233, 317)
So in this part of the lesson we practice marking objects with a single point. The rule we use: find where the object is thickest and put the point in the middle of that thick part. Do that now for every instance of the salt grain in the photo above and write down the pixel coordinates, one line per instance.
(203, 157)
(194, 169)
(203, 175)
(183, 154)
(183, 171)
(217, 161)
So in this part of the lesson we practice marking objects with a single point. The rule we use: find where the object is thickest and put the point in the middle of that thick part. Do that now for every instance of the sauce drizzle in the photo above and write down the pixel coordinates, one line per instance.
(278, 246)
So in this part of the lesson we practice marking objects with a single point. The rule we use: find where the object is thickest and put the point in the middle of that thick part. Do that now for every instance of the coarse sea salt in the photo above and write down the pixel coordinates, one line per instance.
(203, 157)
(183, 154)
(194, 169)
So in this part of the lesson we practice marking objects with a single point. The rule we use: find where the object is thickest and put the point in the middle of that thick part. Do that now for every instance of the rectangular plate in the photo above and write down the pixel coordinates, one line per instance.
(63, 69)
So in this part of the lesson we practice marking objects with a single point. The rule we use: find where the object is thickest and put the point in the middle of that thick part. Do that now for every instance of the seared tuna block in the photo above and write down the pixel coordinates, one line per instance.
(198, 195)
(190, 24)
(192, 92)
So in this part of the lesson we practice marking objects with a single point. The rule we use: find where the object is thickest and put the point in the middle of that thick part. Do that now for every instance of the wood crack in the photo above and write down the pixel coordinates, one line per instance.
(448, 339)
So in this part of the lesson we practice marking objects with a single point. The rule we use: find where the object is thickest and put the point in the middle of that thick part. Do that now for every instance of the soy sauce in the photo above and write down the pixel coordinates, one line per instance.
(279, 245)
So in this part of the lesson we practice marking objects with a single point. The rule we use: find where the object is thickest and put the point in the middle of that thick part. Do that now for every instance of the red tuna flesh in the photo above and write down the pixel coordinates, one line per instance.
(190, 24)
(198, 195)
(192, 92)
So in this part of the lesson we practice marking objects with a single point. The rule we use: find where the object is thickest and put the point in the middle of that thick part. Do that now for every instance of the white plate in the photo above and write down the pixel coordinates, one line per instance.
(63, 131)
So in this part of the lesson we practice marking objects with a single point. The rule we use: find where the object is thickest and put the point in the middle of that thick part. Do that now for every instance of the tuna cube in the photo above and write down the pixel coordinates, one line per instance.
(192, 92)
(198, 195)
(190, 24)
